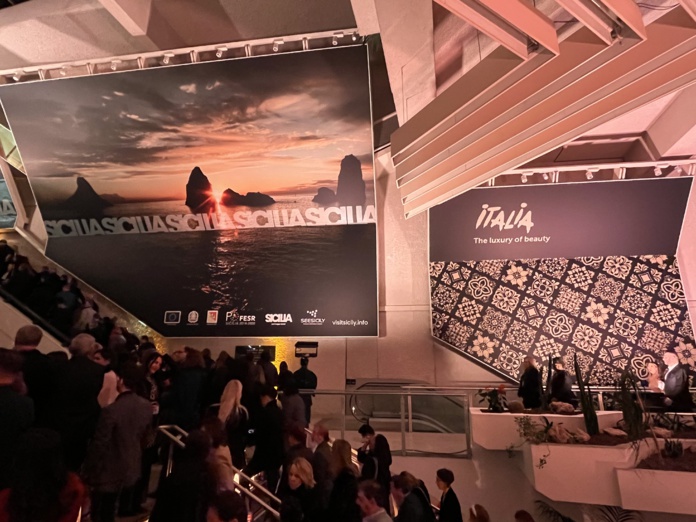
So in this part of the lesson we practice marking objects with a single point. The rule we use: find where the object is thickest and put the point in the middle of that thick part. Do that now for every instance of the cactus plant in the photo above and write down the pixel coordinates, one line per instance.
(673, 449)
(586, 403)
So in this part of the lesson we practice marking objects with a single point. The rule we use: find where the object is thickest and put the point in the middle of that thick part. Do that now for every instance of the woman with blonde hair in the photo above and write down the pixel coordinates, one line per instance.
(342, 506)
(235, 417)
(301, 488)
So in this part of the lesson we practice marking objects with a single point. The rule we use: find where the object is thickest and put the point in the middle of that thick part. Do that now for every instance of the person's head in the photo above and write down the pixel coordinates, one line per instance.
(249, 357)
(103, 356)
(341, 456)
(320, 433)
(152, 362)
(304, 362)
(401, 485)
(82, 345)
(193, 359)
(231, 399)
(144, 339)
(367, 433)
(265, 356)
(369, 494)
(653, 369)
(523, 516)
(206, 353)
(528, 362)
(222, 359)
(283, 366)
(670, 358)
(130, 378)
(477, 513)
(178, 356)
(28, 337)
(444, 478)
(291, 388)
(38, 477)
(558, 363)
(227, 506)
(216, 429)
(10, 365)
(300, 473)
(268, 394)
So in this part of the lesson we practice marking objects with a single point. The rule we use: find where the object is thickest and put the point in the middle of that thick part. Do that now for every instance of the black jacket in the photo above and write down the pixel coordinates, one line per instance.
(268, 454)
(342, 506)
(415, 508)
(562, 387)
(450, 510)
(16, 416)
(38, 371)
(677, 389)
(530, 388)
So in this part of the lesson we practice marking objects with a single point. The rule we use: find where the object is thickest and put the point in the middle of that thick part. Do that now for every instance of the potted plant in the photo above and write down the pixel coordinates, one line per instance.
(494, 397)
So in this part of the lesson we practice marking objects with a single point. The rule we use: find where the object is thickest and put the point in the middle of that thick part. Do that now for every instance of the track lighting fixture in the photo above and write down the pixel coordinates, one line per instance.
(277, 44)
(167, 57)
(524, 178)
(545, 175)
(219, 51)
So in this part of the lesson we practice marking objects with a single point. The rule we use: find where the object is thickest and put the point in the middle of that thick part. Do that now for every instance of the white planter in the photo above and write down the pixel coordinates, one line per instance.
(578, 472)
(657, 490)
(498, 431)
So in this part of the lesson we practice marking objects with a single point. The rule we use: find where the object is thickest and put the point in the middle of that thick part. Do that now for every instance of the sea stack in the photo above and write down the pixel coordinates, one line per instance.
(325, 196)
(351, 186)
(199, 193)
(85, 201)
(230, 198)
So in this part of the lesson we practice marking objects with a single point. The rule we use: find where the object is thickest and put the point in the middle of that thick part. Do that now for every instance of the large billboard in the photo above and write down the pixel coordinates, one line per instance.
(233, 198)
(584, 270)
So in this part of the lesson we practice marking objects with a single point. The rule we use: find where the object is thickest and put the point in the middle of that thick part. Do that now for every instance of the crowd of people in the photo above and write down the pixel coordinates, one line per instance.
(666, 388)
(56, 298)
(79, 438)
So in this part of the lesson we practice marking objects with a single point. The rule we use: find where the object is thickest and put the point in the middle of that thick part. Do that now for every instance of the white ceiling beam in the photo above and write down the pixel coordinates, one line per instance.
(490, 24)
(133, 15)
(675, 122)
(603, 88)
(528, 20)
(591, 16)
(690, 7)
(627, 11)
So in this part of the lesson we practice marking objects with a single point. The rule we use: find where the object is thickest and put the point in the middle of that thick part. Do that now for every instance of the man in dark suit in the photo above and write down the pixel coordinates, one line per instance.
(16, 411)
(114, 455)
(450, 510)
(562, 384)
(77, 386)
(306, 379)
(530, 384)
(413, 502)
(268, 455)
(37, 369)
(675, 384)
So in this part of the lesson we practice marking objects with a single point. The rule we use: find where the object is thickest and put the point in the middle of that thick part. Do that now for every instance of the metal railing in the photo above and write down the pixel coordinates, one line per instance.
(176, 437)
(413, 408)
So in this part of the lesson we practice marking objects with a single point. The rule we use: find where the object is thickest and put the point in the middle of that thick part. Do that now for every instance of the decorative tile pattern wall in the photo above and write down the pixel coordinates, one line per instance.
(612, 311)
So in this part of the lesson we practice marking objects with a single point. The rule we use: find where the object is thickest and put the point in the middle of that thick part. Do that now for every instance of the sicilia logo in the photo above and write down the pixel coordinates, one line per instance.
(492, 217)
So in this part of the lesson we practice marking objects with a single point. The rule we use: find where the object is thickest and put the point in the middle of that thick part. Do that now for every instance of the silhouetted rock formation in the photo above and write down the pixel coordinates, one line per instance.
(199, 193)
(85, 202)
(325, 196)
(230, 198)
(351, 186)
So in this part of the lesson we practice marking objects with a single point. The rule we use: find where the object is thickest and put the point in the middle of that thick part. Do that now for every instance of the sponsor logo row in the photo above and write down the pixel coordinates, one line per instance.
(236, 318)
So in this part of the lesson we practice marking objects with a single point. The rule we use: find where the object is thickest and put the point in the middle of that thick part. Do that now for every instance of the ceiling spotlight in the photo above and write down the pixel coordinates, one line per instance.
(17, 76)
(277, 44)
(63, 70)
(679, 170)
(524, 178)
(219, 51)
(354, 36)
(545, 175)
(658, 171)
(336, 36)
(166, 57)
(114, 64)
(589, 175)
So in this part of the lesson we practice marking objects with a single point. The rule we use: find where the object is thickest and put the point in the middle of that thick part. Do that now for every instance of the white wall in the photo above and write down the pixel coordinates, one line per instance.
(686, 254)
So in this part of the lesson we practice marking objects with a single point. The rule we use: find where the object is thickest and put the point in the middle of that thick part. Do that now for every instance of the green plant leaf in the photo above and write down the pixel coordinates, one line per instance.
(550, 514)
(615, 514)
